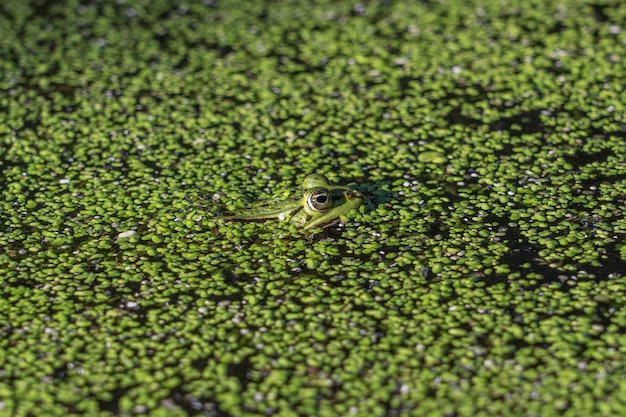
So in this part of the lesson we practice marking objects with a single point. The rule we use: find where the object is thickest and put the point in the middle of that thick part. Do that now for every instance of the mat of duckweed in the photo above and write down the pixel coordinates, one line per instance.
(484, 277)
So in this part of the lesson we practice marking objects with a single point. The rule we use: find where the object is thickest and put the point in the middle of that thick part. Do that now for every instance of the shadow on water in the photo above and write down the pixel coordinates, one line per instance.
(377, 193)
(524, 256)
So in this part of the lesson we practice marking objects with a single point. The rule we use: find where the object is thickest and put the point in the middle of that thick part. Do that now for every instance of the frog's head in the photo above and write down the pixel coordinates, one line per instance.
(322, 203)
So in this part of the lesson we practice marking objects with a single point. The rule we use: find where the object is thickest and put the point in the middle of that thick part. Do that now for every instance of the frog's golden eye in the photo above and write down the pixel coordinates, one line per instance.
(319, 199)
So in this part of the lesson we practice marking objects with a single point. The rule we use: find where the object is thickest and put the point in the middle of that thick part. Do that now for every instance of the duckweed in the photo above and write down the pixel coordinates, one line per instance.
(484, 276)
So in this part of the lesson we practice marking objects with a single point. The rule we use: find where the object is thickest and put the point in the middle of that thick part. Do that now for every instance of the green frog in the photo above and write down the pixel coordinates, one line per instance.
(316, 203)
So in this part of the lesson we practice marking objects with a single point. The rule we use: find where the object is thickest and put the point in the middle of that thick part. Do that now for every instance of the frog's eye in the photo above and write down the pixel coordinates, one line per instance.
(319, 199)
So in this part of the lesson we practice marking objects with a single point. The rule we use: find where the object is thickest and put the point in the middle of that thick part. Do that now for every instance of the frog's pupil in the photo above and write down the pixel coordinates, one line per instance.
(319, 199)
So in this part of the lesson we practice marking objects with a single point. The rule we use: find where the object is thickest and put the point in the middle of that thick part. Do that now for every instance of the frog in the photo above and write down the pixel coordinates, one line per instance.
(316, 203)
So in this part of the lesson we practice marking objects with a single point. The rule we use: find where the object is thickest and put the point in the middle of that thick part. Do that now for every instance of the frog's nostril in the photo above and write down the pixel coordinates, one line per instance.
(352, 194)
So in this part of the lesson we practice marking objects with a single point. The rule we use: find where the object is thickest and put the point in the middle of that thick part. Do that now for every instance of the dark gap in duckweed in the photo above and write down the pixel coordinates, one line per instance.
(613, 265)
(241, 370)
(556, 28)
(221, 49)
(456, 117)
(523, 252)
(591, 185)
(525, 123)
(237, 296)
(112, 403)
(59, 373)
(528, 254)
(466, 93)
(46, 9)
(52, 89)
(599, 12)
(436, 229)
(604, 312)
(29, 125)
(194, 406)
(581, 159)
